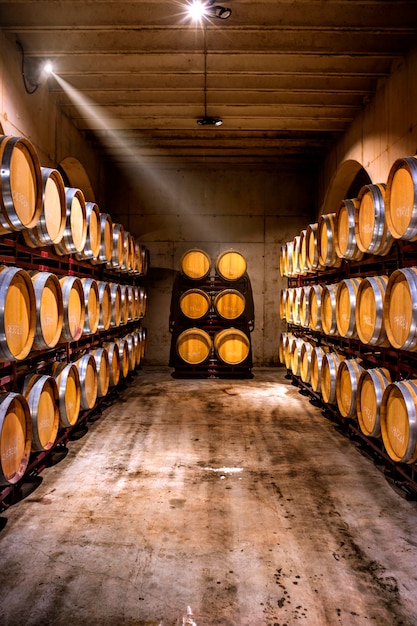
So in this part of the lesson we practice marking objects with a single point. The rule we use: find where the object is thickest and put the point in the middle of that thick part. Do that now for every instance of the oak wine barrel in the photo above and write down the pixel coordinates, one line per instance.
(326, 239)
(400, 309)
(92, 305)
(75, 232)
(399, 420)
(20, 184)
(232, 346)
(371, 230)
(101, 357)
(229, 303)
(15, 437)
(69, 392)
(194, 346)
(17, 314)
(230, 265)
(195, 264)
(195, 303)
(330, 366)
(316, 367)
(74, 308)
(116, 304)
(371, 386)
(346, 299)
(401, 199)
(41, 393)
(104, 295)
(50, 227)
(314, 307)
(328, 309)
(346, 246)
(49, 309)
(114, 362)
(370, 311)
(348, 374)
(87, 371)
(91, 249)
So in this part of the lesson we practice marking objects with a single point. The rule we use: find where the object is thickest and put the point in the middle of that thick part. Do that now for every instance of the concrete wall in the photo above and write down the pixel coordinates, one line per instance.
(385, 131)
(250, 209)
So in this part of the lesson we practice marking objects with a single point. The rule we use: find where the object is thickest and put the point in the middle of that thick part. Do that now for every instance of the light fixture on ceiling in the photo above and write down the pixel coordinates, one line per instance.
(29, 84)
(207, 120)
(199, 9)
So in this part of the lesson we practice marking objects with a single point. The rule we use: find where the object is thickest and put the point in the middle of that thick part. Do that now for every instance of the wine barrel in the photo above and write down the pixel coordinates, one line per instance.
(371, 230)
(229, 304)
(371, 386)
(194, 346)
(370, 311)
(399, 420)
(41, 393)
(104, 295)
(49, 309)
(124, 304)
(138, 257)
(289, 308)
(232, 346)
(195, 264)
(116, 304)
(230, 265)
(17, 314)
(133, 302)
(145, 261)
(296, 249)
(114, 362)
(101, 357)
(314, 307)
(312, 247)
(50, 227)
(400, 309)
(281, 346)
(15, 437)
(106, 239)
(91, 249)
(330, 366)
(195, 303)
(316, 367)
(20, 184)
(124, 357)
(92, 305)
(347, 379)
(287, 341)
(282, 303)
(326, 239)
(69, 392)
(75, 232)
(87, 371)
(296, 356)
(287, 253)
(74, 308)
(305, 361)
(346, 246)
(346, 298)
(117, 238)
(131, 348)
(296, 319)
(303, 252)
(143, 302)
(401, 199)
(304, 306)
(328, 309)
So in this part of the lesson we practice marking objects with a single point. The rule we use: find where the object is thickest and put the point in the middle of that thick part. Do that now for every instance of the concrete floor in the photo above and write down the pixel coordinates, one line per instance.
(235, 498)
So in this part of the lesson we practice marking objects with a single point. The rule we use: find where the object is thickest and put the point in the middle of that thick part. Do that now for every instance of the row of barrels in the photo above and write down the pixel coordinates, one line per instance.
(49, 402)
(196, 264)
(229, 304)
(39, 309)
(368, 224)
(35, 200)
(385, 409)
(379, 310)
(230, 345)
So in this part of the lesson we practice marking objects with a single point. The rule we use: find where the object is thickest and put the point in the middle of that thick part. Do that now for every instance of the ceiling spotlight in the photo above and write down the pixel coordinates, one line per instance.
(221, 12)
(207, 120)
(48, 68)
(199, 9)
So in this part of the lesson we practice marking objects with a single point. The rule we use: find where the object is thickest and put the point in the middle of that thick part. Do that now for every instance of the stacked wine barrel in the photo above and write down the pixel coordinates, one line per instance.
(351, 307)
(212, 316)
(71, 308)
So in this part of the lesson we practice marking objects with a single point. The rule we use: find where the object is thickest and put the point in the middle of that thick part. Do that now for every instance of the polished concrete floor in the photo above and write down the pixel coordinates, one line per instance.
(237, 499)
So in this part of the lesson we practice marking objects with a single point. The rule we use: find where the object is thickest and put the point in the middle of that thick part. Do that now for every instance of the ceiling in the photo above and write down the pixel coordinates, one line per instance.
(286, 76)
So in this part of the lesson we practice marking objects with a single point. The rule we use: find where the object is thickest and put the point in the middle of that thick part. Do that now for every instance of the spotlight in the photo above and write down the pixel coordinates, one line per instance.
(48, 68)
(199, 9)
(207, 120)
(221, 12)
